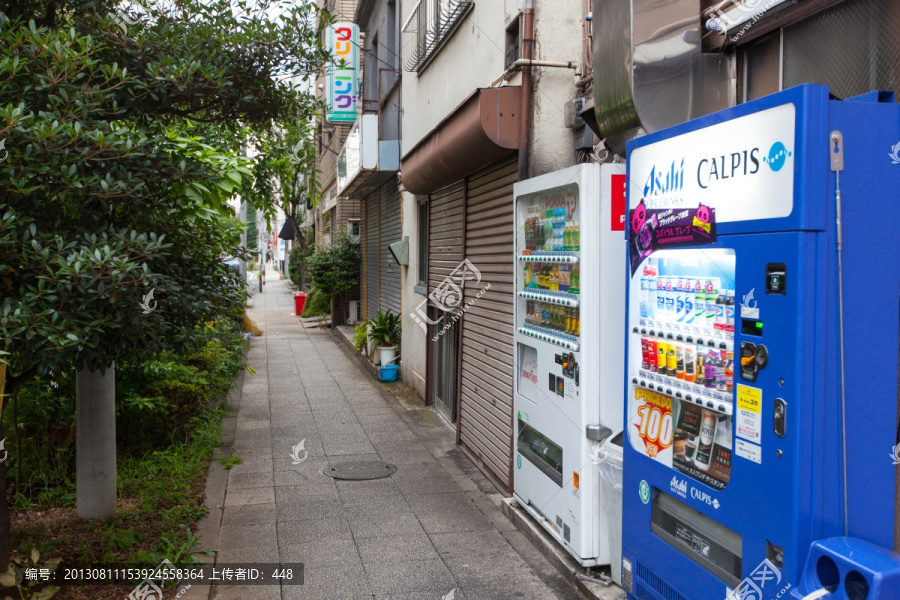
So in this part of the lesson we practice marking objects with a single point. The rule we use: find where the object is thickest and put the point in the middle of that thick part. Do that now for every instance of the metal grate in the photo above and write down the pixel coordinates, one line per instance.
(813, 52)
(428, 26)
(658, 589)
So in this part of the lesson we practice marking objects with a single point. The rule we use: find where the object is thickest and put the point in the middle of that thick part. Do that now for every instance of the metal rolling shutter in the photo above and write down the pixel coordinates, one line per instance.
(371, 223)
(445, 232)
(389, 292)
(485, 426)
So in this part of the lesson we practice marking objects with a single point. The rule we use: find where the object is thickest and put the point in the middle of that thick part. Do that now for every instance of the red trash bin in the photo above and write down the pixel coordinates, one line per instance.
(299, 301)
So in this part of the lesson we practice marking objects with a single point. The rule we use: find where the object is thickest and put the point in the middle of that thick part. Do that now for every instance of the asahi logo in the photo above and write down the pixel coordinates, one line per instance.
(679, 487)
(664, 181)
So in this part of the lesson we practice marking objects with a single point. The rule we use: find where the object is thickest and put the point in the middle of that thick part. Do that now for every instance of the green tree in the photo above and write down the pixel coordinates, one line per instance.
(336, 269)
(125, 141)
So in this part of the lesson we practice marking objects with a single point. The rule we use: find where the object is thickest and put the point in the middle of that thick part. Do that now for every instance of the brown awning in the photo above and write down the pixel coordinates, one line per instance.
(481, 131)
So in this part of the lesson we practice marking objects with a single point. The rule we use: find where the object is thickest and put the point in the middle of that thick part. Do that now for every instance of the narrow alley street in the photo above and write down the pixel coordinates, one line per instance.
(427, 532)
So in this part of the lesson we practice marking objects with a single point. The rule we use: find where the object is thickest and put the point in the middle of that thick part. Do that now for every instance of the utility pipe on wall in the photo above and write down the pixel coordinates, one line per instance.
(525, 120)
(523, 62)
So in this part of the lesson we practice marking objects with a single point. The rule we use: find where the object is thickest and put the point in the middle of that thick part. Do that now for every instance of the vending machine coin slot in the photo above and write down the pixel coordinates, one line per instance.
(780, 413)
(762, 356)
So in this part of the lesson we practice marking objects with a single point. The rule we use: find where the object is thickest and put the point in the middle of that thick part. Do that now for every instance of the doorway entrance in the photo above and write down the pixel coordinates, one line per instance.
(445, 367)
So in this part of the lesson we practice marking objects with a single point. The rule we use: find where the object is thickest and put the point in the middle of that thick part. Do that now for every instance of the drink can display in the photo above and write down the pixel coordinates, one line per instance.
(708, 425)
(709, 367)
(645, 350)
(661, 349)
(689, 355)
(679, 361)
(651, 354)
(729, 371)
(720, 368)
(671, 361)
(700, 367)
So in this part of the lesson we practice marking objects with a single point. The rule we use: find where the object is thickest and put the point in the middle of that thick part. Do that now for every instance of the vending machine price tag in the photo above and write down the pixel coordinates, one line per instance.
(749, 413)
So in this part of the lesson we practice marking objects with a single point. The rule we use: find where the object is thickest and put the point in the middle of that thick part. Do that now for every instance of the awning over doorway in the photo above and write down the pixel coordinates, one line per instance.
(481, 131)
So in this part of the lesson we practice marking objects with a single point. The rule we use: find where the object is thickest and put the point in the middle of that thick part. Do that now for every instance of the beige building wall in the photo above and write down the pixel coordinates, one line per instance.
(474, 57)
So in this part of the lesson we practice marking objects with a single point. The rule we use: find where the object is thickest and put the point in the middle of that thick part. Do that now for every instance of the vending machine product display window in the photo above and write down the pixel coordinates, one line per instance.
(681, 405)
(569, 298)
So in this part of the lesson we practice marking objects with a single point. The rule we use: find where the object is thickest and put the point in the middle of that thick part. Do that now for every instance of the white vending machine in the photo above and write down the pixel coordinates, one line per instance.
(569, 355)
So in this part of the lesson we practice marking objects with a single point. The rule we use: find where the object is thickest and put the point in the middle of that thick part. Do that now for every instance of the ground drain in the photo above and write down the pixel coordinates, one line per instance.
(361, 470)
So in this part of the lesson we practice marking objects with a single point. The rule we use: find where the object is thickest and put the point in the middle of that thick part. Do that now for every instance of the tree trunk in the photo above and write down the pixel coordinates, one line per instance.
(5, 545)
(5, 525)
(95, 443)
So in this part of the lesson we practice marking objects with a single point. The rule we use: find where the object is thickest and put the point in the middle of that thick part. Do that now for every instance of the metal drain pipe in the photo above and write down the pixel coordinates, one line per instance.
(525, 110)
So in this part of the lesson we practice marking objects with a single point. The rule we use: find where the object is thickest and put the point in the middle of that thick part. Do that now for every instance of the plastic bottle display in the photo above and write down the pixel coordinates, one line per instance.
(712, 295)
(719, 318)
(552, 317)
(550, 231)
(729, 312)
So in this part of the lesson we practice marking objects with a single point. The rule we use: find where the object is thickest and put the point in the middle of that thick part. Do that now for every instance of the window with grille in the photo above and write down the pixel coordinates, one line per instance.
(429, 25)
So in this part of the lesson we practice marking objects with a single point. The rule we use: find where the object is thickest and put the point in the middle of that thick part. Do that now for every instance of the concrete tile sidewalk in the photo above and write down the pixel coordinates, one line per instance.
(430, 529)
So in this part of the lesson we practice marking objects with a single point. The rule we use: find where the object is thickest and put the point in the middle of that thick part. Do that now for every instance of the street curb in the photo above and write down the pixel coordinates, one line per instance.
(216, 482)
(558, 557)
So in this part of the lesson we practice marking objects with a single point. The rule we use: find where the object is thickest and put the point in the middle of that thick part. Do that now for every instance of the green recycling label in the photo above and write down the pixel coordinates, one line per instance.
(644, 491)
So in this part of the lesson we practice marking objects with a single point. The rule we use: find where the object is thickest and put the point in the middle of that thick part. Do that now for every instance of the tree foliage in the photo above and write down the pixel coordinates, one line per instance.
(336, 269)
(125, 140)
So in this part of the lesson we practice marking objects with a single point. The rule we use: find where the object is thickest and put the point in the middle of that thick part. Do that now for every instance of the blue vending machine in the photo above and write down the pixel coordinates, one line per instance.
(762, 343)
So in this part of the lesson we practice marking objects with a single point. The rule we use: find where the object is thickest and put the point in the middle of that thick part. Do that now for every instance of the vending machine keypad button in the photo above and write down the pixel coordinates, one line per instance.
(776, 278)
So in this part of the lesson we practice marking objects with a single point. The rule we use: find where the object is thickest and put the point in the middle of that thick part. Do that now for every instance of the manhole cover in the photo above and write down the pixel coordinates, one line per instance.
(361, 470)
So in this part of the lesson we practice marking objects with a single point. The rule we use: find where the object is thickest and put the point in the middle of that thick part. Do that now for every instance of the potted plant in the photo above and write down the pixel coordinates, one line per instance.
(370, 343)
(361, 336)
(385, 331)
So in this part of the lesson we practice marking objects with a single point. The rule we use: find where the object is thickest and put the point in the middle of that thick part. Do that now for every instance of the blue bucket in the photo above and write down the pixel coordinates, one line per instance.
(388, 373)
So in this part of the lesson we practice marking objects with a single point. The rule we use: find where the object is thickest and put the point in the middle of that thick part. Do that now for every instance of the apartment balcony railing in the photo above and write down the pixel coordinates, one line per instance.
(430, 25)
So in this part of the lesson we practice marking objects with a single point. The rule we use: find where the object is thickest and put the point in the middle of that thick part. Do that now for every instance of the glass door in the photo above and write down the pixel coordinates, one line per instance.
(445, 364)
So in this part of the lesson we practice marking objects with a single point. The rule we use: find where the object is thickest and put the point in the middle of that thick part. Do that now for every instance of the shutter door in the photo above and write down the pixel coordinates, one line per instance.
(371, 225)
(389, 228)
(445, 231)
(487, 346)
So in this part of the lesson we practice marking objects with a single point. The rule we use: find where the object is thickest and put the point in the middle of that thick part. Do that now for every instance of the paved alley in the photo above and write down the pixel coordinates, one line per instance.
(427, 532)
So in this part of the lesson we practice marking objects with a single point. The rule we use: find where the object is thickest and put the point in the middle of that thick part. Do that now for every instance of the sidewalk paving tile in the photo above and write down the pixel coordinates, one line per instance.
(417, 535)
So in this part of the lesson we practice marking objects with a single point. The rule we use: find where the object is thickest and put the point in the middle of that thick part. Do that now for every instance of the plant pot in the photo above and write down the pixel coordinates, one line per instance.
(386, 354)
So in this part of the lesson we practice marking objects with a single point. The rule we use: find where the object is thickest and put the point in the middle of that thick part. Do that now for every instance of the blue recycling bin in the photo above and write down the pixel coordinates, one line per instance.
(849, 569)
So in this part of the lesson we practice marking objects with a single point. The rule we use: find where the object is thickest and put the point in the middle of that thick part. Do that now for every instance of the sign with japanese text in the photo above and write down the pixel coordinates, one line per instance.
(342, 84)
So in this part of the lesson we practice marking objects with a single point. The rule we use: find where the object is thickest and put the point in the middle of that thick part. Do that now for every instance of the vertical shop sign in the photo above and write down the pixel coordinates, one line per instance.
(342, 84)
